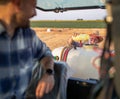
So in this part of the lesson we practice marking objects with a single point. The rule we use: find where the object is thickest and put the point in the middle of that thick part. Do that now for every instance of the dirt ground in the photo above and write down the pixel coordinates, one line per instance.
(56, 37)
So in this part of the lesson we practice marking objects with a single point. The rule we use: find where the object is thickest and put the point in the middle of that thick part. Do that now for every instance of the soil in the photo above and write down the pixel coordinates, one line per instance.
(57, 37)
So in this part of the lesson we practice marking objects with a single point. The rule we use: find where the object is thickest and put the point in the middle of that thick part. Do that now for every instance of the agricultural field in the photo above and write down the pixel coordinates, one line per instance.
(56, 33)
(69, 24)
(57, 37)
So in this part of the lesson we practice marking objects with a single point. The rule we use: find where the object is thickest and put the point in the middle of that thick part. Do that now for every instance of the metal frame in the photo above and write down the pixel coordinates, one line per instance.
(57, 10)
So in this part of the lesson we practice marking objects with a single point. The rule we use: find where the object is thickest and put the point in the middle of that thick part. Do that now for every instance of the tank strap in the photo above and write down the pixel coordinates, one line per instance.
(64, 53)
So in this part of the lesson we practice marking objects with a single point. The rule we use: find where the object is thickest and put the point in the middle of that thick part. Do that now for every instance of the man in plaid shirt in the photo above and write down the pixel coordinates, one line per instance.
(20, 49)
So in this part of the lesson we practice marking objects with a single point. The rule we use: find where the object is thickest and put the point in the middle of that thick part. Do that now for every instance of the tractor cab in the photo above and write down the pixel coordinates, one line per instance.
(83, 50)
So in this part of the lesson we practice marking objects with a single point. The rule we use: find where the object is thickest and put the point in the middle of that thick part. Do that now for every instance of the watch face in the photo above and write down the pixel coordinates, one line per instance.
(50, 71)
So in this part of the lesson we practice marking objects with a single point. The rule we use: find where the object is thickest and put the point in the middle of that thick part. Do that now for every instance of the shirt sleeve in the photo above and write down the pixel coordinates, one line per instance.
(40, 49)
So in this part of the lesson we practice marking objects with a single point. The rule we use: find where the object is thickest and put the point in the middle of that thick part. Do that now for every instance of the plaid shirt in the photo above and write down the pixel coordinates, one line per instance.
(17, 58)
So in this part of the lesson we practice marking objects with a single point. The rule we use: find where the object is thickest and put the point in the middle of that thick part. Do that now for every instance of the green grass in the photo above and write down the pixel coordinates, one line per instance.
(69, 24)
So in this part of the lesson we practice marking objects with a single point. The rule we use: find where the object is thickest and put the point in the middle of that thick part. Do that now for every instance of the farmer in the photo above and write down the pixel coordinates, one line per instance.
(20, 50)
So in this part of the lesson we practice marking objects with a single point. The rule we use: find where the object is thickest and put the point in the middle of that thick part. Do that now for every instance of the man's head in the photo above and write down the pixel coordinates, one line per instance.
(26, 10)
(20, 11)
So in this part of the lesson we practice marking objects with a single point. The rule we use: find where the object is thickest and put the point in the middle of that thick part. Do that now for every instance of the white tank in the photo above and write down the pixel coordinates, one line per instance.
(84, 61)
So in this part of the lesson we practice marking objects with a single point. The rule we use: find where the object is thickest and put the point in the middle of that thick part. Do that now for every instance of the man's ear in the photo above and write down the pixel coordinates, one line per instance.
(17, 4)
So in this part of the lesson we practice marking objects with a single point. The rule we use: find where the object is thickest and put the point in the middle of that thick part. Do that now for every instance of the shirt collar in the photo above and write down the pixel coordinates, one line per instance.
(2, 28)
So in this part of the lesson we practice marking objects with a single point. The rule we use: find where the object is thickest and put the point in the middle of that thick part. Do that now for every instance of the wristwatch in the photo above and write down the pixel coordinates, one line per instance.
(49, 71)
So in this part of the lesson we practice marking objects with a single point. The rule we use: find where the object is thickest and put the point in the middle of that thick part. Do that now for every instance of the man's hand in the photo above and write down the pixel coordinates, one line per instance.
(45, 85)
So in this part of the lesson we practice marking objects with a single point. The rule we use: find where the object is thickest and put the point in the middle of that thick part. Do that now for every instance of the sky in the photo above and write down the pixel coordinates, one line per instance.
(92, 14)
